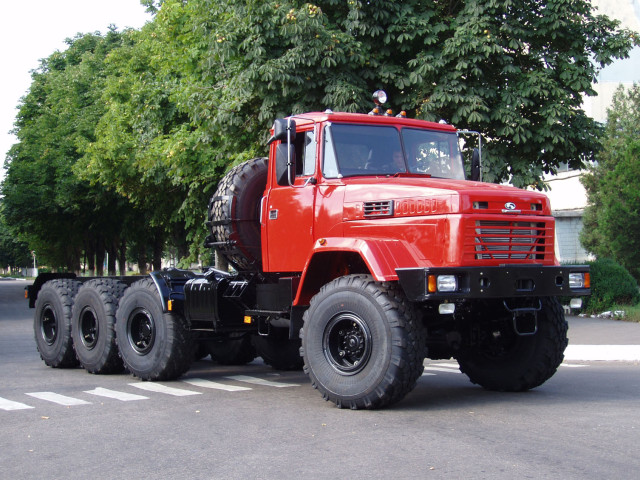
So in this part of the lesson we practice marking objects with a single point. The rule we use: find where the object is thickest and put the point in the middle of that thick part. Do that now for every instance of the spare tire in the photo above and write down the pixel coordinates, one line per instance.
(234, 212)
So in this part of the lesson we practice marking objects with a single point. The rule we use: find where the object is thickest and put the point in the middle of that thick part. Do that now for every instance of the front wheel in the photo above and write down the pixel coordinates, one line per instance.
(501, 360)
(362, 343)
(153, 345)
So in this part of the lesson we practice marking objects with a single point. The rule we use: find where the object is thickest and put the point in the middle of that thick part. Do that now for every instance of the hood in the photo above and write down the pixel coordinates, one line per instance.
(436, 196)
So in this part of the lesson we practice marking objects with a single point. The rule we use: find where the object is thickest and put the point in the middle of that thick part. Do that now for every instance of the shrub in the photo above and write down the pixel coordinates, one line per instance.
(611, 284)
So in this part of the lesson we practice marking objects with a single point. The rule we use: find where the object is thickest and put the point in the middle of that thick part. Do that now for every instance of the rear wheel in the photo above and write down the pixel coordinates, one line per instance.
(278, 350)
(52, 322)
(93, 323)
(504, 361)
(231, 350)
(362, 343)
(153, 345)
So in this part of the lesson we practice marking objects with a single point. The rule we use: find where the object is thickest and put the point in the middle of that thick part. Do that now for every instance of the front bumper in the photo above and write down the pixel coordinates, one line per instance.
(493, 282)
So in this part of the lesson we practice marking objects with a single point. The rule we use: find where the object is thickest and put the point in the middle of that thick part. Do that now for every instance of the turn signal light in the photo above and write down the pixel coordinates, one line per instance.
(432, 284)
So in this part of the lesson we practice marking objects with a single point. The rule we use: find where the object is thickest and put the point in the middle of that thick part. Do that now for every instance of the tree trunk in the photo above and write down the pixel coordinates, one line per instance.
(100, 256)
(91, 255)
(122, 258)
(158, 244)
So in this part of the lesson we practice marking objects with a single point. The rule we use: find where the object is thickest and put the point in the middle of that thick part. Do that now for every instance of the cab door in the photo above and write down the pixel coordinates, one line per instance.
(288, 211)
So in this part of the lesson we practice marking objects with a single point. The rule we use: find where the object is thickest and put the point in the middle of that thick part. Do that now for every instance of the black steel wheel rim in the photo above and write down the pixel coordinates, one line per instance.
(347, 343)
(141, 331)
(88, 328)
(48, 325)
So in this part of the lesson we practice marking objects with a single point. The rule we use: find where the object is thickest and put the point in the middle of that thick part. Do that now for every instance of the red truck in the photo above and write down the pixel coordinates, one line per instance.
(358, 250)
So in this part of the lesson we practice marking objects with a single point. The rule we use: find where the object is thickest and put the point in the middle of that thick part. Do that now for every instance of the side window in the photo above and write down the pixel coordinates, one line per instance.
(329, 163)
(309, 165)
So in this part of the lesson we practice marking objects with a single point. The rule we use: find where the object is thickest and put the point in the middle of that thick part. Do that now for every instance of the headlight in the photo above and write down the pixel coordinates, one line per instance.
(442, 283)
(447, 283)
(579, 280)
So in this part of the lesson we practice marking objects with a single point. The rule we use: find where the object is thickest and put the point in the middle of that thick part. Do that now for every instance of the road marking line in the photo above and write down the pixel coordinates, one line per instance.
(449, 365)
(159, 388)
(59, 399)
(438, 369)
(571, 365)
(261, 381)
(122, 396)
(623, 353)
(200, 382)
(425, 374)
(11, 405)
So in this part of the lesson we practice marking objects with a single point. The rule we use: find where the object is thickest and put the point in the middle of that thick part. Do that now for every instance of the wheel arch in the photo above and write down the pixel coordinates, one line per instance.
(336, 257)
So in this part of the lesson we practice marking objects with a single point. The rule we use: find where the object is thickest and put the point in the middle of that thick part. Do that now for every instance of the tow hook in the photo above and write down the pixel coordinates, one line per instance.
(525, 319)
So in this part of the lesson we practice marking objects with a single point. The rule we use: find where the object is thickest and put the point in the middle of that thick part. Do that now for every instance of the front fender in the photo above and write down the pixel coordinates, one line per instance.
(380, 257)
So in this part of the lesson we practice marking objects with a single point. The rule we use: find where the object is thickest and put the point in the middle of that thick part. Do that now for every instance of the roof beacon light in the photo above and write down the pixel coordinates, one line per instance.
(379, 97)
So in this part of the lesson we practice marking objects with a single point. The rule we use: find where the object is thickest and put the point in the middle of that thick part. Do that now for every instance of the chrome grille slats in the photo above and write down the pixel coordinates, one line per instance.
(508, 240)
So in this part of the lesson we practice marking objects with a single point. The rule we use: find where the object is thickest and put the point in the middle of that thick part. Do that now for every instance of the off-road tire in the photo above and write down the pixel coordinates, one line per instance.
(93, 320)
(521, 362)
(52, 323)
(234, 214)
(380, 334)
(231, 350)
(278, 350)
(153, 345)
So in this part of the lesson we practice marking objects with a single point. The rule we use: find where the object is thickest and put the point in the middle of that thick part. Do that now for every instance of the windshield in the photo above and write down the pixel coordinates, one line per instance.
(352, 150)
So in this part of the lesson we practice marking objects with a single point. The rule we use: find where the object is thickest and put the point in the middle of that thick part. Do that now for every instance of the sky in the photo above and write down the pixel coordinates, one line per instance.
(33, 29)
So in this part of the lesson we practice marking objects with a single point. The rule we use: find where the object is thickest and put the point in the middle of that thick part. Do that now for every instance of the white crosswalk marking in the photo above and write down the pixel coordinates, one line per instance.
(587, 353)
(11, 405)
(122, 396)
(200, 382)
(159, 388)
(440, 369)
(449, 365)
(260, 381)
(59, 399)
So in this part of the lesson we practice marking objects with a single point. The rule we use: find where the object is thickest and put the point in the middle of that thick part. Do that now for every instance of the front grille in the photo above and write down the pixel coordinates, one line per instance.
(378, 209)
(509, 240)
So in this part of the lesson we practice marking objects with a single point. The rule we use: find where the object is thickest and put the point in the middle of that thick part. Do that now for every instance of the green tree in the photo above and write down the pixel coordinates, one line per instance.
(515, 70)
(13, 252)
(57, 214)
(612, 219)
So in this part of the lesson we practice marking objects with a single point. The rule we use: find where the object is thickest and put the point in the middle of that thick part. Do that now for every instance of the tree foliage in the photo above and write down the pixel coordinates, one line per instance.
(13, 252)
(60, 216)
(612, 219)
(167, 109)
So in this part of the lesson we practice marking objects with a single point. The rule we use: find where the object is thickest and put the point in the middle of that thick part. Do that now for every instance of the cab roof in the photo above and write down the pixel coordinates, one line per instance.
(361, 118)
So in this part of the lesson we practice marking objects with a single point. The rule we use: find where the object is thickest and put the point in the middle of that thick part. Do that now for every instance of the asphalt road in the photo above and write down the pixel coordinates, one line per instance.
(582, 423)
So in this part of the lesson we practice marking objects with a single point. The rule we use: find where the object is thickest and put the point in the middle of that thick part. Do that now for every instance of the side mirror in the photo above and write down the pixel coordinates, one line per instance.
(283, 130)
(475, 165)
(283, 172)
